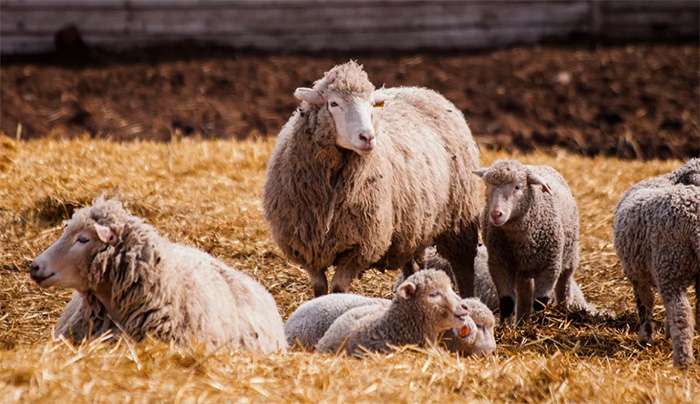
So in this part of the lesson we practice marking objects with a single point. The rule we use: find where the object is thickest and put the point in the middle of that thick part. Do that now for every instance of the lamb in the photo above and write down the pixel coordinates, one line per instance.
(531, 232)
(424, 306)
(131, 280)
(364, 178)
(309, 322)
(657, 239)
(306, 326)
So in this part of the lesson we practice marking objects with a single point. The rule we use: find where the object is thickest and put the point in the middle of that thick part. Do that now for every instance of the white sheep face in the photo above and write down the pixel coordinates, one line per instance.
(352, 116)
(66, 262)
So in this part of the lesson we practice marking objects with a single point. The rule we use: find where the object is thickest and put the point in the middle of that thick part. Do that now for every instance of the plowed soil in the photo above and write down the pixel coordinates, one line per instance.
(637, 101)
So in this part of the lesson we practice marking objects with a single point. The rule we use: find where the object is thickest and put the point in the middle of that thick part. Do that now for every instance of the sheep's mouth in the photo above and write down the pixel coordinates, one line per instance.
(41, 279)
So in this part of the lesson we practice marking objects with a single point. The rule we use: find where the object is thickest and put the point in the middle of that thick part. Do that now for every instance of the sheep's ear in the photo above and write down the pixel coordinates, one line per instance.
(406, 290)
(105, 234)
(480, 172)
(534, 179)
(378, 99)
(309, 95)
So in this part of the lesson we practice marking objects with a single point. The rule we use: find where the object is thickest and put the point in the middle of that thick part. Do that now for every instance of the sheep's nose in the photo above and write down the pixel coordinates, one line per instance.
(34, 268)
(496, 214)
(366, 136)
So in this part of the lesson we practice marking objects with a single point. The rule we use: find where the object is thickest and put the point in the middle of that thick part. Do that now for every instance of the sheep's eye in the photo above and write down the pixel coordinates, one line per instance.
(434, 294)
(379, 104)
(517, 187)
(82, 239)
(333, 104)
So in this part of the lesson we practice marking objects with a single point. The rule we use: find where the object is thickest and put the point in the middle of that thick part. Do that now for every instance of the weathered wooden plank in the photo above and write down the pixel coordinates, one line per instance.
(624, 6)
(330, 20)
(474, 38)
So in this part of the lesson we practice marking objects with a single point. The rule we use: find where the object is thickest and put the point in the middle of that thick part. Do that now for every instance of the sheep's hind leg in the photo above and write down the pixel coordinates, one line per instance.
(347, 268)
(680, 319)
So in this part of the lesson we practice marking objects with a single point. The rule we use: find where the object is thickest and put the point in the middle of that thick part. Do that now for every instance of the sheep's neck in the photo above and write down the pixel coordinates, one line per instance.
(103, 293)
(407, 324)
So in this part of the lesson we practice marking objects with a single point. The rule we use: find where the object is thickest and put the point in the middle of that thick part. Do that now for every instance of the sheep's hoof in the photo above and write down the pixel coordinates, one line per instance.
(540, 303)
(645, 334)
(506, 307)
(682, 360)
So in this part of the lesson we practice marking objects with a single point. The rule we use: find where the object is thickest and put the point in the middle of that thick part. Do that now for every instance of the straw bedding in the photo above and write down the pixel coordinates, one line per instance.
(207, 193)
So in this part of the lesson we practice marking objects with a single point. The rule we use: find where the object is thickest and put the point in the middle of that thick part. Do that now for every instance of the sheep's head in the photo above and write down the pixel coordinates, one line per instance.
(430, 292)
(68, 261)
(688, 173)
(508, 187)
(476, 337)
(349, 97)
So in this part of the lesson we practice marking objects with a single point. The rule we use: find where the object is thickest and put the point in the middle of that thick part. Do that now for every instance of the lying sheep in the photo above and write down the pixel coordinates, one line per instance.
(312, 319)
(424, 307)
(657, 238)
(134, 281)
(531, 232)
(366, 178)
(309, 322)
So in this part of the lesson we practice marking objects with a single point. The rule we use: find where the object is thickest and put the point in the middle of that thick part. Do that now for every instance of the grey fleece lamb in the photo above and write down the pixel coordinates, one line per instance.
(657, 238)
(531, 232)
(364, 178)
(424, 306)
(129, 279)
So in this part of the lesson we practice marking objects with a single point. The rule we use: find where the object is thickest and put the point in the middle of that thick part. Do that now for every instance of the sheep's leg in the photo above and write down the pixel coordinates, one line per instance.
(505, 286)
(644, 297)
(545, 281)
(562, 288)
(319, 283)
(680, 319)
(347, 267)
(525, 288)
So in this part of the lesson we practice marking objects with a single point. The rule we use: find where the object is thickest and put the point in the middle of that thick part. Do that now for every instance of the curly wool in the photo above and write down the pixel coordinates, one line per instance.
(348, 78)
(169, 291)
(328, 206)
(542, 243)
(657, 239)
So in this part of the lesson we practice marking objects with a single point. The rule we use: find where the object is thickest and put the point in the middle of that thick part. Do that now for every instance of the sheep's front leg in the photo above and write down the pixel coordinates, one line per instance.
(525, 288)
(697, 302)
(318, 280)
(680, 320)
(505, 286)
(544, 285)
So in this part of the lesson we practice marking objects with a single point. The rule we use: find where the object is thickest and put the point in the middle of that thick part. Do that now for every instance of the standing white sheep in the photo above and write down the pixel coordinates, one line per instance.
(130, 279)
(366, 178)
(657, 238)
(531, 232)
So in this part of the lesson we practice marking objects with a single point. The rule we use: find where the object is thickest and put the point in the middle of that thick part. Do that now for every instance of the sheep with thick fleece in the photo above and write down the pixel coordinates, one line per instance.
(657, 239)
(531, 231)
(132, 280)
(364, 178)
(307, 324)
(424, 307)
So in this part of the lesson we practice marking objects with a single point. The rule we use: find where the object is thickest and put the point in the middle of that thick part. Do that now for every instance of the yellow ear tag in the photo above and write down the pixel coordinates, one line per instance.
(379, 104)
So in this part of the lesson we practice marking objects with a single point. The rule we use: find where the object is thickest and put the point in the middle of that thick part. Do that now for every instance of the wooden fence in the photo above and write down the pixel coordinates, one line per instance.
(314, 25)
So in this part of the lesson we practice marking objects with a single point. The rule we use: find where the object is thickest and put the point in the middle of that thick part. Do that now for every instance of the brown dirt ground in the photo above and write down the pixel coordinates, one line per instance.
(637, 101)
